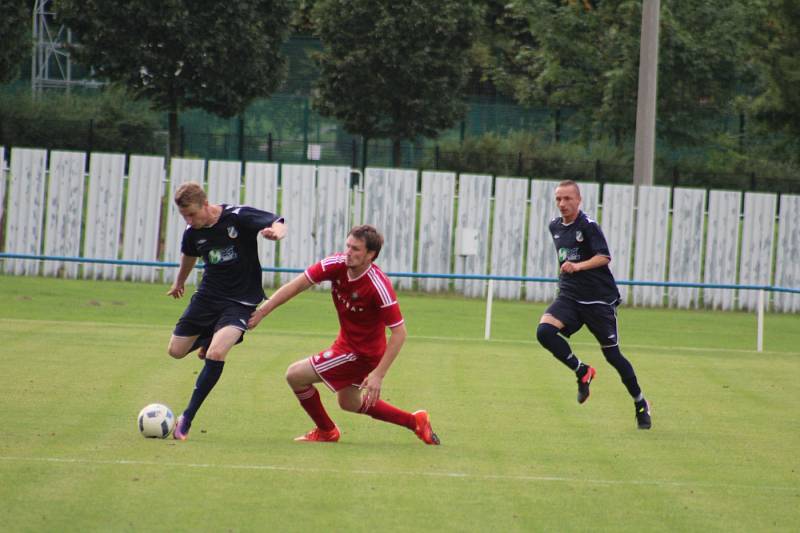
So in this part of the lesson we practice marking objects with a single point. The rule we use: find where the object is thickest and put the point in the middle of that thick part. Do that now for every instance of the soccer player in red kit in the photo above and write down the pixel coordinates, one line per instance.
(354, 367)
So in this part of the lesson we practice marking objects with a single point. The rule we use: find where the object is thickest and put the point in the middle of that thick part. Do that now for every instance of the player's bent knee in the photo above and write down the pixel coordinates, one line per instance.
(545, 332)
(176, 352)
(293, 375)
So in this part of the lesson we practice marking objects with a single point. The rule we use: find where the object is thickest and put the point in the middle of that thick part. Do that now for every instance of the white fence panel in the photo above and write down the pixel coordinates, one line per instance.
(333, 210)
(142, 216)
(508, 234)
(261, 192)
(104, 213)
(650, 261)
(224, 182)
(390, 204)
(590, 198)
(180, 171)
(474, 206)
(617, 225)
(758, 236)
(3, 174)
(686, 248)
(722, 246)
(25, 208)
(298, 206)
(62, 234)
(542, 260)
(787, 273)
(436, 228)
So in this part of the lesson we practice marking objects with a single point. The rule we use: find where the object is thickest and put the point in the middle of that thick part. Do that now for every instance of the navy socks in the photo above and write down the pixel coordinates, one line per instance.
(205, 382)
(625, 370)
(548, 336)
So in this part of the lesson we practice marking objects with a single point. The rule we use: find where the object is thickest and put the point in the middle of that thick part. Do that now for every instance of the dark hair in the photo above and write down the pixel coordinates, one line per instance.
(372, 239)
(190, 193)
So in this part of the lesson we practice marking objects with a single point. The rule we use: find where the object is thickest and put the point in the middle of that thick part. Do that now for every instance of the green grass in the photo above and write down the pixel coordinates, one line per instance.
(79, 359)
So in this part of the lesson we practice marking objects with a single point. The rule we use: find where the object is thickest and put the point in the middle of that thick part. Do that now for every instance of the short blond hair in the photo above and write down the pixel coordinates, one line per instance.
(190, 193)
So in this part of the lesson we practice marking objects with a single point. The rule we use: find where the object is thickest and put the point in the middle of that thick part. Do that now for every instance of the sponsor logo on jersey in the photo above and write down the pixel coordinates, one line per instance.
(232, 232)
(568, 254)
(221, 255)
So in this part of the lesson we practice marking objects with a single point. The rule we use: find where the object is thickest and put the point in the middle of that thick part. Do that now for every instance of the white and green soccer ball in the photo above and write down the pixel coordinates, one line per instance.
(156, 421)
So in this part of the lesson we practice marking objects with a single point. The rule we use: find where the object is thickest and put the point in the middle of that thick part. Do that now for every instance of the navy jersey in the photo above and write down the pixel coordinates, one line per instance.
(576, 242)
(229, 250)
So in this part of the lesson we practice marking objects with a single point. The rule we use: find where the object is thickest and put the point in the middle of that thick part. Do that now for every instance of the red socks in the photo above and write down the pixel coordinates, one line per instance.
(389, 413)
(311, 402)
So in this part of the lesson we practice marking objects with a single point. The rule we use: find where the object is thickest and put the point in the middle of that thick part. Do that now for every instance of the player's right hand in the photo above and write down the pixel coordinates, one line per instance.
(176, 291)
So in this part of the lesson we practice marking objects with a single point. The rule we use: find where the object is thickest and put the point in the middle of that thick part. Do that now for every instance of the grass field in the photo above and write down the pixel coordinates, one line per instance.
(79, 359)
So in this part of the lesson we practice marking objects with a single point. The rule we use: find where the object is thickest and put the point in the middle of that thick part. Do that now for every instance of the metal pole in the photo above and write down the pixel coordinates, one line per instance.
(760, 336)
(644, 151)
(489, 297)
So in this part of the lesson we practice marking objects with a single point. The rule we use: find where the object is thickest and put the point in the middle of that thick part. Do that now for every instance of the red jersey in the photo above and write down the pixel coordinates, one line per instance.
(366, 305)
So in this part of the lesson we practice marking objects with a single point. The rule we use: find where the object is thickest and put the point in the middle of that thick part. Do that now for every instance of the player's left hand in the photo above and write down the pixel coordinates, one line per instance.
(275, 232)
(372, 387)
(569, 267)
(255, 318)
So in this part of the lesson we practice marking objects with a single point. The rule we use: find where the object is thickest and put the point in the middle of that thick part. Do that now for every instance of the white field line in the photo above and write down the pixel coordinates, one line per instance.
(332, 334)
(399, 473)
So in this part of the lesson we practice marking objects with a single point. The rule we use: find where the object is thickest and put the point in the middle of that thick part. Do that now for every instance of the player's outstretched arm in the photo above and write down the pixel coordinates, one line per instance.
(187, 264)
(275, 232)
(281, 296)
(374, 380)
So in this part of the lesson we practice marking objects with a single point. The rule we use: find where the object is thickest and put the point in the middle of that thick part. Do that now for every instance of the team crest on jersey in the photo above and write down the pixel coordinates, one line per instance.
(327, 354)
(579, 236)
(232, 232)
(354, 296)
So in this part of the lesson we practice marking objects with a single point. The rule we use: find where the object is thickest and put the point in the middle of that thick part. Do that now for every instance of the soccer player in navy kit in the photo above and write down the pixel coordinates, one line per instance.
(355, 365)
(225, 236)
(587, 295)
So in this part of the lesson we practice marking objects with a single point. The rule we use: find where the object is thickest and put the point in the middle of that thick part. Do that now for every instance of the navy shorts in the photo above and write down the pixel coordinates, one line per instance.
(205, 316)
(600, 318)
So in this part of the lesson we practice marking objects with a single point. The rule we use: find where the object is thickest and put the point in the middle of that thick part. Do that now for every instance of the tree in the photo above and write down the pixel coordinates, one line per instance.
(179, 54)
(391, 69)
(778, 103)
(585, 55)
(15, 34)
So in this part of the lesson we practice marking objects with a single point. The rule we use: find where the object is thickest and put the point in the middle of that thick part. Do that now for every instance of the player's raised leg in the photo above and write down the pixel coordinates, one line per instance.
(221, 343)
(548, 335)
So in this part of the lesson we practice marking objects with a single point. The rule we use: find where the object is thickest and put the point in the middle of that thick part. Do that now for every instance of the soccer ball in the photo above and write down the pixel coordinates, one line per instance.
(156, 421)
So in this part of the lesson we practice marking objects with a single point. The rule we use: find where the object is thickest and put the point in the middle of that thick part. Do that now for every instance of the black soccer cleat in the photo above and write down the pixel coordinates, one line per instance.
(643, 415)
(583, 384)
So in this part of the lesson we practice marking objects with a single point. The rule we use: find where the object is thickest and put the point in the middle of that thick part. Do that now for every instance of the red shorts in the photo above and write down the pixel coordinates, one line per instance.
(340, 369)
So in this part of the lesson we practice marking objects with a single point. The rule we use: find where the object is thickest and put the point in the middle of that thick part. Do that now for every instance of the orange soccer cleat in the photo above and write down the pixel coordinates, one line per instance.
(318, 435)
(423, 429)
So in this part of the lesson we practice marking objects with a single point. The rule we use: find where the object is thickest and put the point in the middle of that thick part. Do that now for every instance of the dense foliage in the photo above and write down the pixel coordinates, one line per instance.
(15, 36)
(179, 54)
(391, 69)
